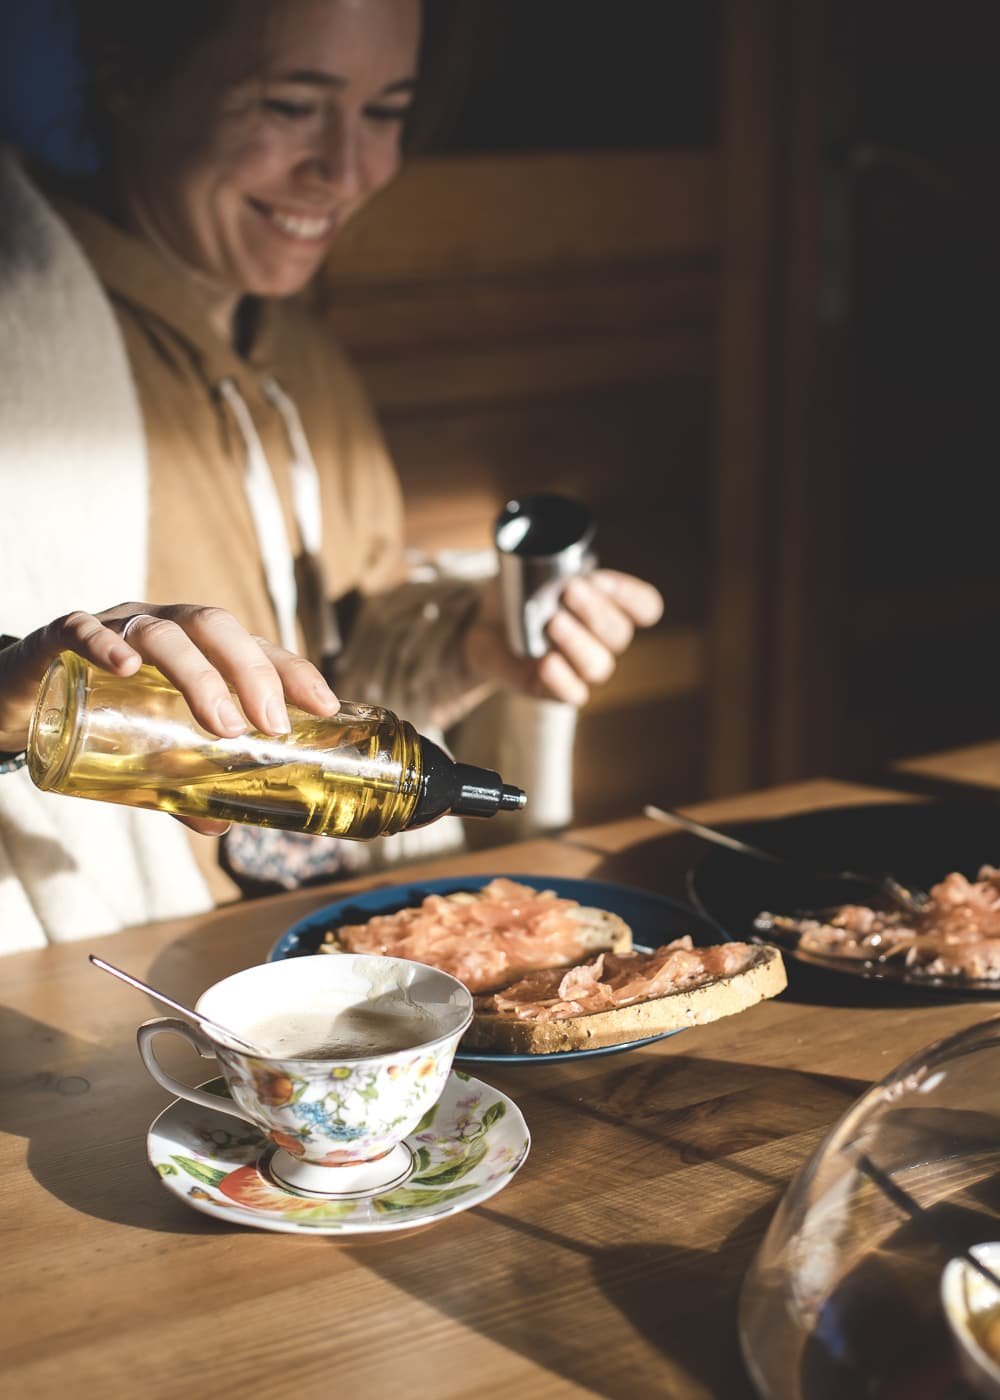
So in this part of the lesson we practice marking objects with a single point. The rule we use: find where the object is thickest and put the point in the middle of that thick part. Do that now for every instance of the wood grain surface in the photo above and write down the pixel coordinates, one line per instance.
(549, 321)
(611, 1265)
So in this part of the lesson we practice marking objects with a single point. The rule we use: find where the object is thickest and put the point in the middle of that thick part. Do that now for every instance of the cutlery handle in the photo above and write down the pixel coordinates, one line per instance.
(186, 1011)
(709, 833)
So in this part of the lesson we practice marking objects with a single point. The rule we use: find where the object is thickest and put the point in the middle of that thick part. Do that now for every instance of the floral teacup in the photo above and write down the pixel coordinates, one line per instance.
(337, 1122)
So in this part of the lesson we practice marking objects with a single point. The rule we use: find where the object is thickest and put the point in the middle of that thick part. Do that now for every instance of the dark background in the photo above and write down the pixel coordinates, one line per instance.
(565, 75)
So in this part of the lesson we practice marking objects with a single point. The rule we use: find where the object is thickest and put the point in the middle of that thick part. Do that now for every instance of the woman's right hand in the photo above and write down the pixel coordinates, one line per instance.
(203, 651)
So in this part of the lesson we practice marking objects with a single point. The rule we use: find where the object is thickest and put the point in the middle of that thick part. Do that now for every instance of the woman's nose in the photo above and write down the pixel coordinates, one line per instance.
(337, 158)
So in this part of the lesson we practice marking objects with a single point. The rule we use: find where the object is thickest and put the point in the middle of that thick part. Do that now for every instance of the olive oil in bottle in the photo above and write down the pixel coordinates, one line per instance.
(359, 774)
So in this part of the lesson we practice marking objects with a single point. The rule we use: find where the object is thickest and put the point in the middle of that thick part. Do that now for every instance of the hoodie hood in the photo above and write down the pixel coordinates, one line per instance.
(257, 420)
(139, 275)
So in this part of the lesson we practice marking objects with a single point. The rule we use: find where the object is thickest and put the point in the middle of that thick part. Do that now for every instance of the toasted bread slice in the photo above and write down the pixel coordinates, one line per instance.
(762, 976)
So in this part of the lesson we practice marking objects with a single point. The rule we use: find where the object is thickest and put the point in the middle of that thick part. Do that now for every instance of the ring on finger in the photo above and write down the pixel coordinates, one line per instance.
(139, 617)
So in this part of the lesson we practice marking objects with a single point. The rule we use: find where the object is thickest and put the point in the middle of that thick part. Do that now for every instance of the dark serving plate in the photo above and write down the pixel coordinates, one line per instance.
(653, 919)
(919, 843)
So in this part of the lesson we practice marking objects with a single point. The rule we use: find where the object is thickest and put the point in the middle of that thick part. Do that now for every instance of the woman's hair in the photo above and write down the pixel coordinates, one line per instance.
(138, 45)
(122, 42)
(444, 48)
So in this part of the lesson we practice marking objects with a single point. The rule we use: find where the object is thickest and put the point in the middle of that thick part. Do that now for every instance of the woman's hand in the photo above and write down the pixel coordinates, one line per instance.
(203, 651)
(595, 624)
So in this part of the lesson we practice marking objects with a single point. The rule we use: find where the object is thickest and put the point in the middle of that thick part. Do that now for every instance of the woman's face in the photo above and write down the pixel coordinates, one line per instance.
(270, 137)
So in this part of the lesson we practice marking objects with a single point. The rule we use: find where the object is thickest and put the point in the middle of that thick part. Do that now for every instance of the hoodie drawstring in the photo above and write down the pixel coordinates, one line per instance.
(305, 481)
(308, 513)
(268, 518)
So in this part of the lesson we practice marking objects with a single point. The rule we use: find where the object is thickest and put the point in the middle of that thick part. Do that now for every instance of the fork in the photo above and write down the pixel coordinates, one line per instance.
(885, 885)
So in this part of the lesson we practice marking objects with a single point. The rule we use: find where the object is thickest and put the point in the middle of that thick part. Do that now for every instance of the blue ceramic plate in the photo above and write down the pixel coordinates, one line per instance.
(653, 919)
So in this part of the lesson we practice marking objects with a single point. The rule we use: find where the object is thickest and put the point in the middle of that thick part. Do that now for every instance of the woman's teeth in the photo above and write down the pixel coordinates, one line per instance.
(298, 225)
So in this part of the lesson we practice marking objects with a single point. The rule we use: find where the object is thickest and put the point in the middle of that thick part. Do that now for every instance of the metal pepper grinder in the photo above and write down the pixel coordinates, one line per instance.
(541, 541)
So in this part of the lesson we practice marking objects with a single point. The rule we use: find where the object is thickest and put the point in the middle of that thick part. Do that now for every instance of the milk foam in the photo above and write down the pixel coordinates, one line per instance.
(350, 1033)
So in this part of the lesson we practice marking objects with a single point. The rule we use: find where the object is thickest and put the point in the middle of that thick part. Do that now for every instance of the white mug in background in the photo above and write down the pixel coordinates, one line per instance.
(542, 541)
(336, 1122)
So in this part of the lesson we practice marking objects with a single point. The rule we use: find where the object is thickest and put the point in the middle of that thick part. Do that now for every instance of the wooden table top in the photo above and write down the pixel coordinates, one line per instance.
(610, 1265)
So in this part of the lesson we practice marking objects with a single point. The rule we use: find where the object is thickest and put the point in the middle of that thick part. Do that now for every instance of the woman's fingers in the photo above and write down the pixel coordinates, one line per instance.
(558, 680)
(205, 826)
(165, 644)
(203, 651)
(242, 665)
(208, 655)
(595, 624)
(23, 664)
(303, 683)
(637, 599)
(592, 661)
(599, 614)
(92, 638)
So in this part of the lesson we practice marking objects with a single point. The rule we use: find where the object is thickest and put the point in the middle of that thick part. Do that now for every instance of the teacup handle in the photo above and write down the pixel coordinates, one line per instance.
(205, 1049)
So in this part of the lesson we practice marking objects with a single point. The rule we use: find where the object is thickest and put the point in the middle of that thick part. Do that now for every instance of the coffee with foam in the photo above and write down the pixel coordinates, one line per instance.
(355, 1050)
(351, 1033)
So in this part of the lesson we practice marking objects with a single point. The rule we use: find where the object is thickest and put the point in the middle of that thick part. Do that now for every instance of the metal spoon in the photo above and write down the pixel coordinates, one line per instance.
(905, 1203)
(206, 1022)
(912, 901)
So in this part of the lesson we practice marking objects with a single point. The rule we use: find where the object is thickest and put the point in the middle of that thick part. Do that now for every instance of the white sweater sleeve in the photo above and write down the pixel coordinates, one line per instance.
(73, 487)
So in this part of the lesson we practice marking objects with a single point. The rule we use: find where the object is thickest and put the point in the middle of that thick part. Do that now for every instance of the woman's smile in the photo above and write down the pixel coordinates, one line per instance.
(308, 103)
(298, 226)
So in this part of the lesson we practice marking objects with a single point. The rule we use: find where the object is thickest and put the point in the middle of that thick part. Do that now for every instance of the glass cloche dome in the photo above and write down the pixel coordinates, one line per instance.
(843, 1300)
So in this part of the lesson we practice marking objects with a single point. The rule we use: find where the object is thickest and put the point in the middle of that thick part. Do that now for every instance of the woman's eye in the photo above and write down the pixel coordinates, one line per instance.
(293, 111)
(387, 114)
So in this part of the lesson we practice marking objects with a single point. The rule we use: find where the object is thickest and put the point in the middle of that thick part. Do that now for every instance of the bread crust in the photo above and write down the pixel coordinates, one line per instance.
(763, 976)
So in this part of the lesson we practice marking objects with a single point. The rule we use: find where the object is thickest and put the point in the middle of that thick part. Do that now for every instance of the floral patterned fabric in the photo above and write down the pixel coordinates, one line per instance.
(260, 859)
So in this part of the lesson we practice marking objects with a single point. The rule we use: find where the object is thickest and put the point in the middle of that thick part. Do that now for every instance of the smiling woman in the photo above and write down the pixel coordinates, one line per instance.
(244, 154)
(236, 139)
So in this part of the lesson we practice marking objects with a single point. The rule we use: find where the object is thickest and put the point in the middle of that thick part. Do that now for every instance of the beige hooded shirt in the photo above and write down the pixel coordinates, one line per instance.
(130, 436)
(284, 432)
(203, 543)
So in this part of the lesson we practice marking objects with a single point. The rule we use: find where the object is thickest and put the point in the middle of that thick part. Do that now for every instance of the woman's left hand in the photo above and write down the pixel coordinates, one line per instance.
(595, 623)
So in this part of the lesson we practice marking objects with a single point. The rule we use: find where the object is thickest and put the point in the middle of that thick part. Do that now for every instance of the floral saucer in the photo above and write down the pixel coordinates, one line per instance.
(464, 1150)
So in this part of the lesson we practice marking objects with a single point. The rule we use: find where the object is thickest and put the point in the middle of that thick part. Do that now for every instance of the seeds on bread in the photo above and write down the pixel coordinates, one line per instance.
(550, 975)
(754, 974)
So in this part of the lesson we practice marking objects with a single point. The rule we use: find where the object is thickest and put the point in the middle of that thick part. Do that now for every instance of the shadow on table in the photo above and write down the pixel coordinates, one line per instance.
(678, 1300)
(62, 1092)
(58, 1091)
(715, 1143)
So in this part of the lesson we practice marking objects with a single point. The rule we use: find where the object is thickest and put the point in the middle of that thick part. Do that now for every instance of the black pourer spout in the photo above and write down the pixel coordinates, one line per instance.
(460, 788)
